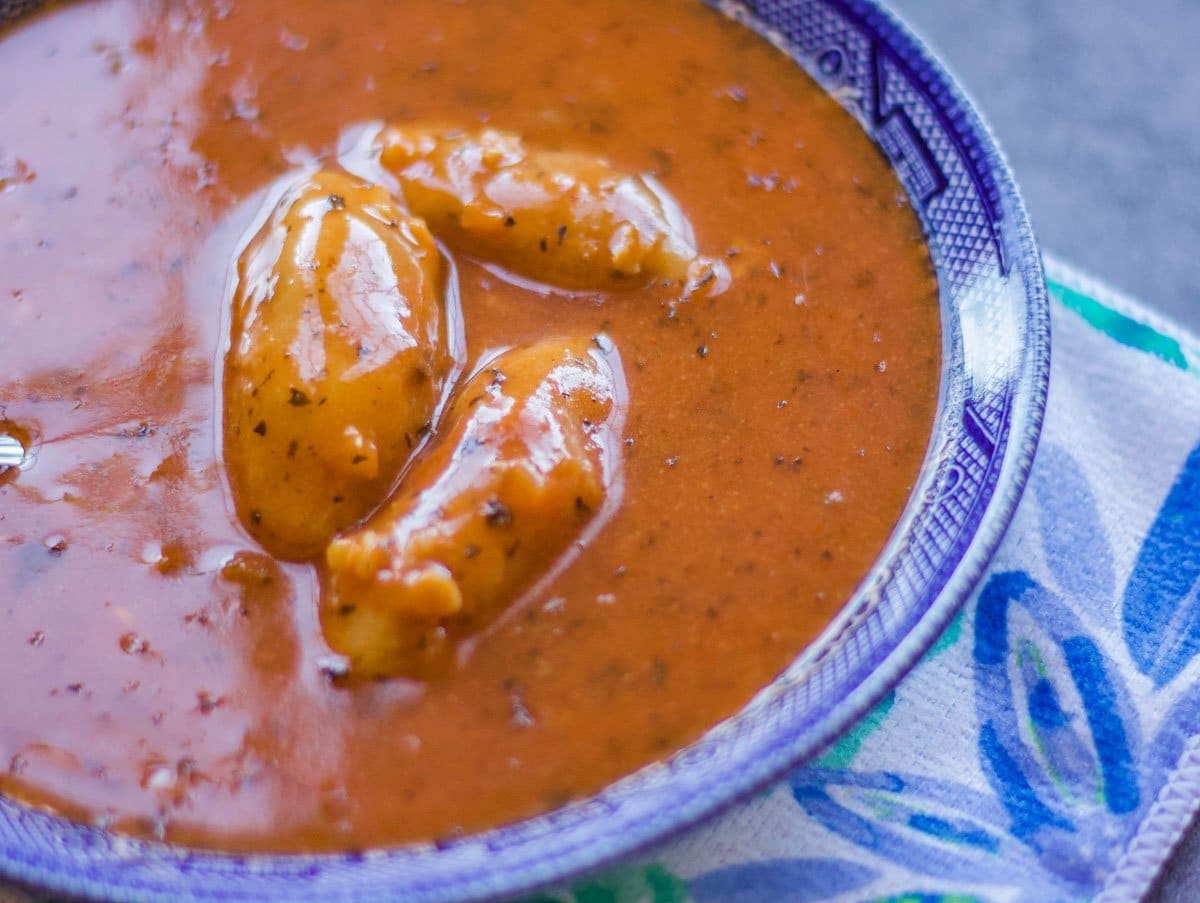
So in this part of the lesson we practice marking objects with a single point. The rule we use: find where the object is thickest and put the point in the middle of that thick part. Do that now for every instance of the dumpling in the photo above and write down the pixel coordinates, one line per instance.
(337, 360)
(522, 468)
(563, 219)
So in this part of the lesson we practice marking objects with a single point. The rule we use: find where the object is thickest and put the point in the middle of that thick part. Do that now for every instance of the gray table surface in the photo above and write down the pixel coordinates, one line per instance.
(1097, 103)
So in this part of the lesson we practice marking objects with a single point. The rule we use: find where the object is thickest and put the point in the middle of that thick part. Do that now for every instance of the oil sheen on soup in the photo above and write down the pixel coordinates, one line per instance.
(616, 477)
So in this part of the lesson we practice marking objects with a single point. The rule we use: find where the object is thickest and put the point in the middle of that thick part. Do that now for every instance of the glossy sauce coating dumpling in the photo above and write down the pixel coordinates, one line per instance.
(564, 219)
(337, 360)
(524, 464)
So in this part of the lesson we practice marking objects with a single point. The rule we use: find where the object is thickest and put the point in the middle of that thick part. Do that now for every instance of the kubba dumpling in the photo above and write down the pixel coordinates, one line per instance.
(522, 466)
(564, 219)
(337, 360)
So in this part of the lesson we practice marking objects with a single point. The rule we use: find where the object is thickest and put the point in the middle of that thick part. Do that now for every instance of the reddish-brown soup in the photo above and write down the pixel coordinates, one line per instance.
(773, 435)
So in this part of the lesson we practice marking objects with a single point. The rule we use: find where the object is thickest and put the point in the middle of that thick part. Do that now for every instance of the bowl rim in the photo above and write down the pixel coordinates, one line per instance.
(50, 852)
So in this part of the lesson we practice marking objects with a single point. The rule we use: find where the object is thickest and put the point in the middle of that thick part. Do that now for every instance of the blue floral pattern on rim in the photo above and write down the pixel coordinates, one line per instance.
(996, 362)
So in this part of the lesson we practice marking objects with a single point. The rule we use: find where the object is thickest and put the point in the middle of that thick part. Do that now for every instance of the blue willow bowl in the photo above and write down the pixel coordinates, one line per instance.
(995, 373)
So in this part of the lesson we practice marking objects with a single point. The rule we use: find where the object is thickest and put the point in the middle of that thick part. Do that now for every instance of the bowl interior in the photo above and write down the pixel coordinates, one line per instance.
(995, 371)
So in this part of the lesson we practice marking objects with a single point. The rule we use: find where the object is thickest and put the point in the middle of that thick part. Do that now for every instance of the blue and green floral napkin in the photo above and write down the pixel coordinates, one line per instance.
(1048, 746)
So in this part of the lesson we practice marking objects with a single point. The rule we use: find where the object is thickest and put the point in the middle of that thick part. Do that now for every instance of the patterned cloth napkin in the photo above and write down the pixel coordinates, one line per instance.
(1047, 748)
